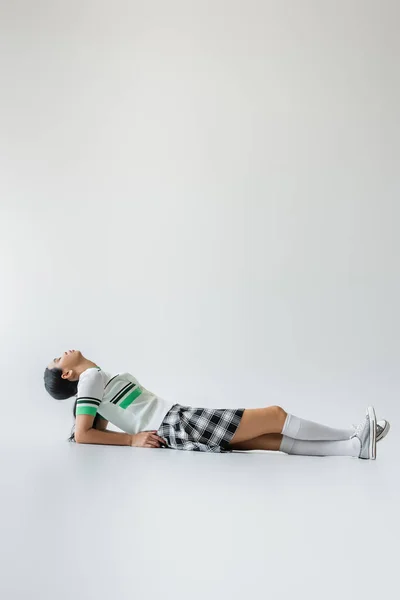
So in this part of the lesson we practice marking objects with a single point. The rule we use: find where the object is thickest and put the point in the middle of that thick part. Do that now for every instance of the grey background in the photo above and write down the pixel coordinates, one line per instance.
(204, 194)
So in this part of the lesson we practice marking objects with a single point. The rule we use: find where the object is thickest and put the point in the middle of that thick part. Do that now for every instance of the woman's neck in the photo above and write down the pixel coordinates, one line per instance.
(83, 366)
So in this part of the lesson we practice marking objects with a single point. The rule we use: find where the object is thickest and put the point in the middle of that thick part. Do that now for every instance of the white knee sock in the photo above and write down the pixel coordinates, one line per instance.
(301, 429)
(316, 448)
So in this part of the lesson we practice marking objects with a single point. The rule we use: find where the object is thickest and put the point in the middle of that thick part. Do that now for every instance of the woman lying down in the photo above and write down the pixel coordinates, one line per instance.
(149, 421)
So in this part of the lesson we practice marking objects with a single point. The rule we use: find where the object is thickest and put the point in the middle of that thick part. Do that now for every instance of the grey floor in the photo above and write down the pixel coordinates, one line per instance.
(81, 522)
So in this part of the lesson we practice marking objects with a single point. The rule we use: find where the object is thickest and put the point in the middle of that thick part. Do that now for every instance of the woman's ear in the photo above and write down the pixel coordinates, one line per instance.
(67, 374)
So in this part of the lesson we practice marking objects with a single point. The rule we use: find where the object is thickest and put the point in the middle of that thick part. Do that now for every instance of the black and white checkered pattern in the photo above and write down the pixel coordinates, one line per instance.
(200, 429)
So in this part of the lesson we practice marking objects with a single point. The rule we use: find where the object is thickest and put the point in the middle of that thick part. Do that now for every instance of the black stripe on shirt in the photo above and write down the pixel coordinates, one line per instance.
(111, 380)
(122, 392)
(88, 400)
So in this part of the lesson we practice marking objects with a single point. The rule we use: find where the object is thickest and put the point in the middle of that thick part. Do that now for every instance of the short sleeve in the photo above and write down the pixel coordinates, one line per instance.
(90, 392)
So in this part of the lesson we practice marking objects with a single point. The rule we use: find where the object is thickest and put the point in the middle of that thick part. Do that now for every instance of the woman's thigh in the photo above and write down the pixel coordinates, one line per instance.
(258, 421)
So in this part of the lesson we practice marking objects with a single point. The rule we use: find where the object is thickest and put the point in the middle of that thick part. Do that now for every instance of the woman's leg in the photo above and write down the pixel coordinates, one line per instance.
(268, 441)
(276, 441)
(351, 447)
(274, 419)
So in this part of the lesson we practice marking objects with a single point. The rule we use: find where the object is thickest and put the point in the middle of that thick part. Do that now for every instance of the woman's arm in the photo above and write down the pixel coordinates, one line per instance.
(89, 396)
(85, 433)
(96, 436)
(101, 423)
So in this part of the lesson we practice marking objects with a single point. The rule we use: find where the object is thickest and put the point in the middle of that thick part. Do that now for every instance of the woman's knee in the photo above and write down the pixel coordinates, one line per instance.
(279, 414)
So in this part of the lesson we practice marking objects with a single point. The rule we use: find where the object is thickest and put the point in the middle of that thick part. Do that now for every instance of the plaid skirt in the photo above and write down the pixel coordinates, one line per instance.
(200, 429)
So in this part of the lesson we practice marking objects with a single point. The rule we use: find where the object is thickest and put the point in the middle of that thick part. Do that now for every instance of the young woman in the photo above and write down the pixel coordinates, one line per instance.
(151, 422)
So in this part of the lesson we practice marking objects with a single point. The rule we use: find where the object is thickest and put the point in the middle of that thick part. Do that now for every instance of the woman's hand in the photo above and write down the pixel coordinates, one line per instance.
(147, 439)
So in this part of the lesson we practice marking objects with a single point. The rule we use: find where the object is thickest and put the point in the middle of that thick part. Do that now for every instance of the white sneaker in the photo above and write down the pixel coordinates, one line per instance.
(382, 429)
(366, 433)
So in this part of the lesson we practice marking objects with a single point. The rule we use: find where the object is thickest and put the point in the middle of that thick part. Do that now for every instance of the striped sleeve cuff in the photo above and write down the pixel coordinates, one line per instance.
(86, 405)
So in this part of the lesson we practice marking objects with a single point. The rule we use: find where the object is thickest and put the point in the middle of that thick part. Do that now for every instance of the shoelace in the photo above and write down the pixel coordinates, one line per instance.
(360, 427)
(379, 429)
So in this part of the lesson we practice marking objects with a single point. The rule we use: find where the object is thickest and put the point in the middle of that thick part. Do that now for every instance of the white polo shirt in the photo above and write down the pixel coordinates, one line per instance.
(121, 400)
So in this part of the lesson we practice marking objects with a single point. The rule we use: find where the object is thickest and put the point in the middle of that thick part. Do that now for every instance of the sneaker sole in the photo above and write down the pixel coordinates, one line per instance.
(372, 432)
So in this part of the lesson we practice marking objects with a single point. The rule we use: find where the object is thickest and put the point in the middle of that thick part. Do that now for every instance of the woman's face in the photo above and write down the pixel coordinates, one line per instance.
(68, 361)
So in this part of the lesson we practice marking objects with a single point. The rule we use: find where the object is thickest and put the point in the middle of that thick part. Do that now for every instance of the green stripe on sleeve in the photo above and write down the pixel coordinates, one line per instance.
(86, 410)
